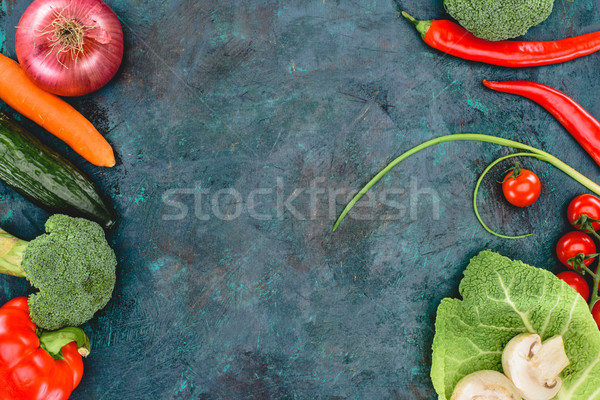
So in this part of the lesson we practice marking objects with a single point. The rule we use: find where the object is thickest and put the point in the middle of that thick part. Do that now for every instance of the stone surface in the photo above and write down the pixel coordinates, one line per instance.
(240, 129)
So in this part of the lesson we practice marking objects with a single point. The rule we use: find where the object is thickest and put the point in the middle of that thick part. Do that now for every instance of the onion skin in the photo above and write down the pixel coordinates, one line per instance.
(62, 73)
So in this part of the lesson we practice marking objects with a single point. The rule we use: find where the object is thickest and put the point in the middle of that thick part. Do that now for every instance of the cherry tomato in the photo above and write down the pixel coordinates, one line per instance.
(577, 282)
(572, 244)
(596, 313)
(521, 187)
(584, 204)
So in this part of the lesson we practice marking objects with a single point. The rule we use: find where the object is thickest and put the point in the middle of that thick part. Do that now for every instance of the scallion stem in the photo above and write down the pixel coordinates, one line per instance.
(475, 137)
(483, 174)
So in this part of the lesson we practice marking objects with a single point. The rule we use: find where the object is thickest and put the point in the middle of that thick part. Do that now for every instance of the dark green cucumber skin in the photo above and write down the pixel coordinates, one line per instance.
(46, 178)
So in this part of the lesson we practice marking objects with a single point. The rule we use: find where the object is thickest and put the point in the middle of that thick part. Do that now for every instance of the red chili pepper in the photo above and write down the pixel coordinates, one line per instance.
(455, 40)
(36, 365)
(584, 128)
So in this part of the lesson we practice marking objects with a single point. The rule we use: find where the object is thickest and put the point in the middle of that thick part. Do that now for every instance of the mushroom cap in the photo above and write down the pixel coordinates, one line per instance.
(534, 366)
(485, 385)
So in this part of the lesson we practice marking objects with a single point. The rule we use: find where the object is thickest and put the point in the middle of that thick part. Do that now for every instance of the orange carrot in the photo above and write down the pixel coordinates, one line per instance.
(53, 114)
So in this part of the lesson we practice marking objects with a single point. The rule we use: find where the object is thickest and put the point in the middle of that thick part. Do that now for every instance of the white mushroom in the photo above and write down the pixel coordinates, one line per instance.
(485, 385)
(534, 366)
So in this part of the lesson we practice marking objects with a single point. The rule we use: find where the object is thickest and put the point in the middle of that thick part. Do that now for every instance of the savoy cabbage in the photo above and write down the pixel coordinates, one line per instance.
(502, 298)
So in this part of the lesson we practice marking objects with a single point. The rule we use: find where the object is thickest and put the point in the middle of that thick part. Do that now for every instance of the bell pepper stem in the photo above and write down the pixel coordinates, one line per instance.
(54, 341)
(11, 254)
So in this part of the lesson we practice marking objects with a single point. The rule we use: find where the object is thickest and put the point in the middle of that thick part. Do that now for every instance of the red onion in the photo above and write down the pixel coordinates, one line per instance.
(69, 47)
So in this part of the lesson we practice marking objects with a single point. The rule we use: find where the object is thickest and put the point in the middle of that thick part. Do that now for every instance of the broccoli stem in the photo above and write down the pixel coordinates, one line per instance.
(54, 341)
(11, 254)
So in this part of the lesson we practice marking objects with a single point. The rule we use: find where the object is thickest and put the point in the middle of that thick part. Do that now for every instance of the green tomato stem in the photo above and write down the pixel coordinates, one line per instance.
(483, 174)
(586, 269)
(54, 341)
(595, 297)
(515, 171)
(593, 232)
(11, 254)
(592, 186)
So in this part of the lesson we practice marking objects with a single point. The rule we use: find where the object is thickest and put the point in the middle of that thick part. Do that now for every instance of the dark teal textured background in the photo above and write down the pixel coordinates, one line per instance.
(279, 95)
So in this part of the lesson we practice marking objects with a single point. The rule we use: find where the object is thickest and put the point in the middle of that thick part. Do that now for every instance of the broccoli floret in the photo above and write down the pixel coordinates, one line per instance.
(499, 19)
(72, 266)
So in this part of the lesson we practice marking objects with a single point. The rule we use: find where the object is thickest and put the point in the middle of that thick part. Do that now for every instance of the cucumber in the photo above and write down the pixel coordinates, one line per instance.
(46, 178)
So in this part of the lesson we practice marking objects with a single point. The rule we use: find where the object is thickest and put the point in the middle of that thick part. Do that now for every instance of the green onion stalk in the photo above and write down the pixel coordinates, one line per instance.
(529, 151)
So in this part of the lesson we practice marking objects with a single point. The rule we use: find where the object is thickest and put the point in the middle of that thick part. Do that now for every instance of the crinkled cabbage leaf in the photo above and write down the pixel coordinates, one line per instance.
(502, 298)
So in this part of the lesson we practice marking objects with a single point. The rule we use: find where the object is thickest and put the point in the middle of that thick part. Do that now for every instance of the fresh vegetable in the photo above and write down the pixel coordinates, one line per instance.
(47, 178)
(451, 38)
(533, 152)
(52, 114)
(478, 184)
(485, 385)
(596, 313)
(533, 366)
(35, 364)
(501, 299)
(576, 281)
(584, 128)
(575, 250)
(521, 187)
(69, 47)
(72, 266)
(498, 20)
(584, 213)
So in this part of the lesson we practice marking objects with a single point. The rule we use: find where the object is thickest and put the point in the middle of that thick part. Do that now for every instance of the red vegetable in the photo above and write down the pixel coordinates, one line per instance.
(584, 209)
(572, 248)
(455, 40)
(596, 313)
(584, 128)
(577, 282)
(521, 187)
(69, 47)
(37, 366)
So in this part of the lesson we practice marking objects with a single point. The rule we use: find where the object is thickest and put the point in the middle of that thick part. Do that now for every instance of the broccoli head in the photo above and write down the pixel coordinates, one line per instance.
(499, 19)
(72, 266)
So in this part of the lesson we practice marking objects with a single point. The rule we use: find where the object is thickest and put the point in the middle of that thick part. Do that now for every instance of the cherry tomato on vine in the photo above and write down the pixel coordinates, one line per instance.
(577, 282)
(584, 204)
(573, 244)
(521, 187)
(596, 313)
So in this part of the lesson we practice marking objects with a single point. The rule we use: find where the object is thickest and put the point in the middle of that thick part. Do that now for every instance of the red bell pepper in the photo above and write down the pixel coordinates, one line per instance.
(36, 364)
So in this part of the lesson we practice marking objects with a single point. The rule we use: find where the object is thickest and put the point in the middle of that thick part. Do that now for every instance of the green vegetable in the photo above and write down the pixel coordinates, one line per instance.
(483, 174)
(501, 299)
(46, 178)
(72, 266)
(473, 137)
(499, 19)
